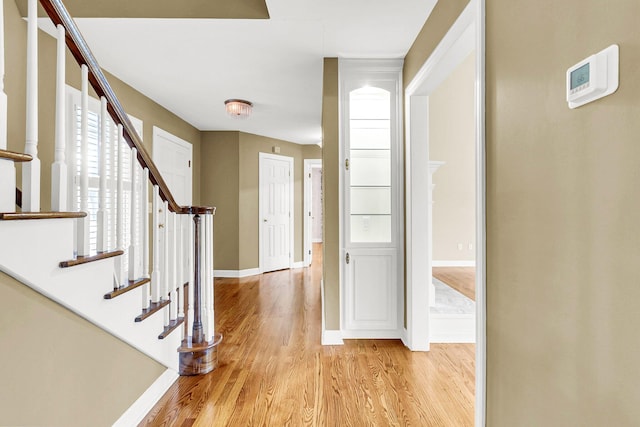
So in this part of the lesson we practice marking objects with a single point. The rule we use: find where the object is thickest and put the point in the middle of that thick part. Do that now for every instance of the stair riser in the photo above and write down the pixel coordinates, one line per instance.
(82, 287)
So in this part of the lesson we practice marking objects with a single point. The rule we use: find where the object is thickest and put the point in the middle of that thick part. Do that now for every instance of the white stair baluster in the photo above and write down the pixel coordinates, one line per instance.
(190, 272)
(59, 167)
(7, 167)
(156, 275)
(83, 223)
(180, 264)
(113, 183)
(134, 271)
(174, 267)
(145, 237)
(166, 261)
(119, 262)
(102, 216)
(31, 170)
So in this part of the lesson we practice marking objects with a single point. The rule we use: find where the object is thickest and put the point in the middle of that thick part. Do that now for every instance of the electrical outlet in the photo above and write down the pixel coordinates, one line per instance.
(459, 246)
(470, 246)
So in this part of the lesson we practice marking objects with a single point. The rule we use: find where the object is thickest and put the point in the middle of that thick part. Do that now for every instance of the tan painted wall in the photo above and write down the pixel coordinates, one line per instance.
(331, 184)
(230, 182)
(452, 140)
(250, 146)
(562, 225)
(220, 188)
(60, 370)
(134, 103)
(444, 14)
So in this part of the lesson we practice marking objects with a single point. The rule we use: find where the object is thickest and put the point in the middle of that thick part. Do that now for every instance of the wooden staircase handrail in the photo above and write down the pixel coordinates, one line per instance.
(81, 52)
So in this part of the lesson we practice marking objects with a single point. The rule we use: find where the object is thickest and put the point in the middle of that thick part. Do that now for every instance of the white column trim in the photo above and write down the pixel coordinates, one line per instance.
(481, 218)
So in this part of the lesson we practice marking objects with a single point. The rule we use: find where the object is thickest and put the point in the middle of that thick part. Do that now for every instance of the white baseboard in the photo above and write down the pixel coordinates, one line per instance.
(435, 263)
(452, 328)
(404, 337)
(299, 264)
(316, 241)
(236, 273)
(372, 334)
(332, 337)
(141, 407)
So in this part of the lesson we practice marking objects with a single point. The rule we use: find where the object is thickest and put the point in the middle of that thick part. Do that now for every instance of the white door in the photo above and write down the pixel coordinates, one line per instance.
(173, 157)
(372, 209)
(276, 210)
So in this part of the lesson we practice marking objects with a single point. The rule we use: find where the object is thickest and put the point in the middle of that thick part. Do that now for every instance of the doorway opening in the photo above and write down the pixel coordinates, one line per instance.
(464, 37)
(313, 198)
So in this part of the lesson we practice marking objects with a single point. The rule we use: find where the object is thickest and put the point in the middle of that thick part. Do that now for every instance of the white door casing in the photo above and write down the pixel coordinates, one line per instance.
(372, 294)
(312, 207)
(275, 212)
(453, 49)
(174, 158)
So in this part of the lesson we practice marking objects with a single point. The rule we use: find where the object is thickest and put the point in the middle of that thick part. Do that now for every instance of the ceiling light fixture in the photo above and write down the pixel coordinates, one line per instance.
(238, 108)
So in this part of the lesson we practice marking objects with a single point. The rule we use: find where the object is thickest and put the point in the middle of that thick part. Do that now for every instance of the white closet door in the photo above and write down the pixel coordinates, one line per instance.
(275, 209)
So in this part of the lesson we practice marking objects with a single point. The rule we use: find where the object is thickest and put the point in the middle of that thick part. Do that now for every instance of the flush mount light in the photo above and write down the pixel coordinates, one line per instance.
(238, 108)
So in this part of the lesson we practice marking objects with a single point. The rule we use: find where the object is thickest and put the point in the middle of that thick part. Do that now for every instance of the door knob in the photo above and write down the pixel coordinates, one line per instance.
(264, 220)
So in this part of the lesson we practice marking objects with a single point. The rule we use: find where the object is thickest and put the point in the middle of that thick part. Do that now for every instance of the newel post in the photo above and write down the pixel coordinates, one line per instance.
(199, 352)
(198, 331)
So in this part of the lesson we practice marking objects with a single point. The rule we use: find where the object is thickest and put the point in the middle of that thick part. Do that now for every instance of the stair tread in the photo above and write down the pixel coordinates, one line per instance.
(153, 308)
(16, 216)
(173, 325)
(16, 157)
(133, 284)
(91, 258)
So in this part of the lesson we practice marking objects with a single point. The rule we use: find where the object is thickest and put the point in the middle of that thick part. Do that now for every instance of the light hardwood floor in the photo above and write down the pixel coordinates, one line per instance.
(274, 372)
(462, 279)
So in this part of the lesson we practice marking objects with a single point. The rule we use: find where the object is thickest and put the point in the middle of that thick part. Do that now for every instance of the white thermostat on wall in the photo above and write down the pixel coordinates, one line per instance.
(593, 77)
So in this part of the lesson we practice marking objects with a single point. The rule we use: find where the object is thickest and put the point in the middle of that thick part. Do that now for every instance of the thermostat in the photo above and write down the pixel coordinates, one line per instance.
(593, 77)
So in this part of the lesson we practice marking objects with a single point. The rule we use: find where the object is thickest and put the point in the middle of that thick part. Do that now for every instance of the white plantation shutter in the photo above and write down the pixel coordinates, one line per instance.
(74, 150)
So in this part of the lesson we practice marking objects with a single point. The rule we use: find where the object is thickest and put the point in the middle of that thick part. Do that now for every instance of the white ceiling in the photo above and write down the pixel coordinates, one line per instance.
(190, 66)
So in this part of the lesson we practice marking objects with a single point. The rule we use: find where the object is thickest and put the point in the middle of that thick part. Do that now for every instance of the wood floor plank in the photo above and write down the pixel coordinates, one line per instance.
(462, 279)
(274, 372)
